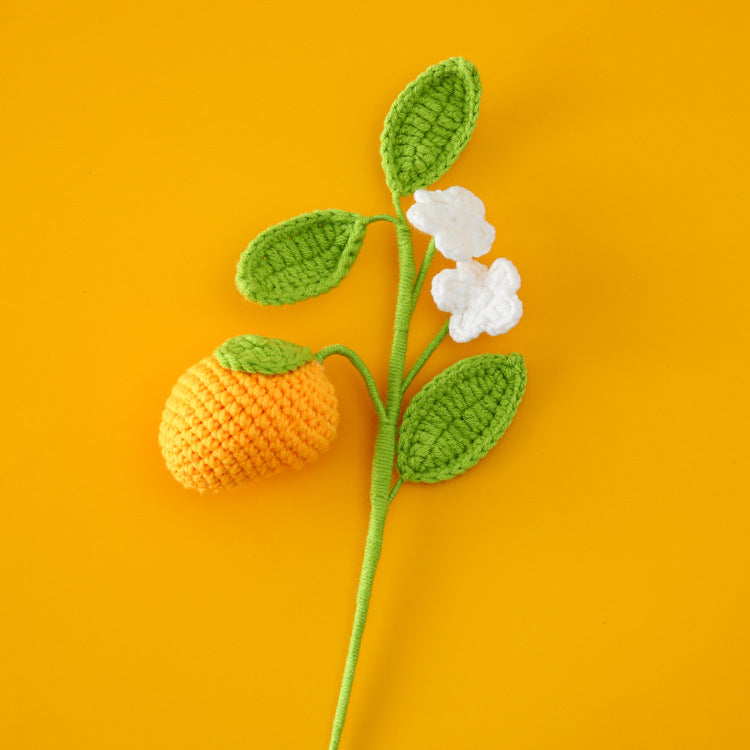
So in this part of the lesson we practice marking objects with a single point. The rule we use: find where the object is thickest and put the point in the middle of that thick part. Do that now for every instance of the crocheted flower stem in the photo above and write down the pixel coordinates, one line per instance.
(419, 283)
(425, 355)
(361, 367)
(364, 591)
(382, 489)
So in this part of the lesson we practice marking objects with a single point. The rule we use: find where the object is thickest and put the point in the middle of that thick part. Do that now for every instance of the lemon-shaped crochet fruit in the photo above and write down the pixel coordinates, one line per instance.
(256, 407)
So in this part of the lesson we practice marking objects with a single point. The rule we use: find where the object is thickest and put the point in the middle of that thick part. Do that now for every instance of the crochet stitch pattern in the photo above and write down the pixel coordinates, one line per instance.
(455, 218)
(263, 355)
(261, 405)
(222, 427)
(430, 124)
(459, 416)
(301, 258)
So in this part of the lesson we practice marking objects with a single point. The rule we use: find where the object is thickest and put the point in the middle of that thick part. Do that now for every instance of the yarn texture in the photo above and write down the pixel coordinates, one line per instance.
(222, 427)
(262, 355)
(481, 299)
(301, 258)
(429, 125)
(455, 218)
(458, 417)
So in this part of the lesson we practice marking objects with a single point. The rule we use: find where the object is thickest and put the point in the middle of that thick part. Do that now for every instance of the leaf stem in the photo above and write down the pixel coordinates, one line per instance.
(361, 367)
(382, 217)
(425, 355)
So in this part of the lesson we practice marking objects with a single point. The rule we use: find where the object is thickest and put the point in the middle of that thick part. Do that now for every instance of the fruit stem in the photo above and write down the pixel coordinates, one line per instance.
(383, 462)
(361, 367)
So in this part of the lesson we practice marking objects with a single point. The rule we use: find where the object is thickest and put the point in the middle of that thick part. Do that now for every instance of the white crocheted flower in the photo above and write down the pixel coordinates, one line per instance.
(479, 298)
(455, 218)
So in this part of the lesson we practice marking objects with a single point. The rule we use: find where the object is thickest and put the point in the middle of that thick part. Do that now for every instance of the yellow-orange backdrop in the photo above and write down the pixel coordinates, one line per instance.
(586, 586)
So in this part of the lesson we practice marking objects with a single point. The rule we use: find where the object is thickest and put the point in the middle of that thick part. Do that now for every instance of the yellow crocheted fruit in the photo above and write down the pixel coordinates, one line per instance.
(221, 427)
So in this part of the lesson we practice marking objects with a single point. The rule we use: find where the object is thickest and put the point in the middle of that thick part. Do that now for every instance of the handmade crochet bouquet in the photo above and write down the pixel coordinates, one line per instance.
(259, 405)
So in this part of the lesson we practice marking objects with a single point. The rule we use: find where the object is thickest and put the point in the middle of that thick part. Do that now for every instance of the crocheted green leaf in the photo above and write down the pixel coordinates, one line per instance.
(300, 258)
(458, 416)
(429, 125)
(262, 355)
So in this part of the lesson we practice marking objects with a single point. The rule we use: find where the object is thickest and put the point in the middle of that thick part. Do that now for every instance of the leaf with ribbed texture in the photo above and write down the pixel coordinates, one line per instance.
(262, 355)
(300, 258)
(457, 418)
(429, 125)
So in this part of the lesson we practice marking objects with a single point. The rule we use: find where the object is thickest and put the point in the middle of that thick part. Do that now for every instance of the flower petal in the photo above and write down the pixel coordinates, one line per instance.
(479, 298)
(464, 326)
(454, 289)
(504, 313)
(503, 275)
(455, 218)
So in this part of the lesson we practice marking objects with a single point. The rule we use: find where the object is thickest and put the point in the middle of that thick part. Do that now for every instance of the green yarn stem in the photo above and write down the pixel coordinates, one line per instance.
(382, 217)
(425, 355)
(428, 256)
(361, 367)
(382, 491)
(364, 591)
(396, 488)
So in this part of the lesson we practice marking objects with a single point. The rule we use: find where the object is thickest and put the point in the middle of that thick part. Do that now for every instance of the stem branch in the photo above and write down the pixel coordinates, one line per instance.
(425, 355)
(419, 283)
(361, 367)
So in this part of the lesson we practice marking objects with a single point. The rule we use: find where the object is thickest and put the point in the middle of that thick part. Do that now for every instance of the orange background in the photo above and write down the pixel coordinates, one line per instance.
(586, 586)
